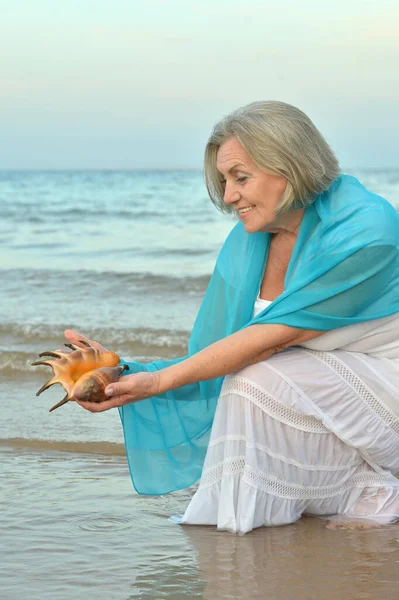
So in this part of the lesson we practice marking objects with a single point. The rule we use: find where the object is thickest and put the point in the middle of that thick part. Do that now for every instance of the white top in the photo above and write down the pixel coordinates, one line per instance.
(260, 305)
(379, 338)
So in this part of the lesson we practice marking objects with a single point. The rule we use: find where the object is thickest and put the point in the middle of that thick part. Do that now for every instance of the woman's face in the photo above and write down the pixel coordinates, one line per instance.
(253, 193)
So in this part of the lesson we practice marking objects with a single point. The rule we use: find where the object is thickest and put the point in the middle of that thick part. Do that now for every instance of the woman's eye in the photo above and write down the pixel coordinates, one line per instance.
(239, 180)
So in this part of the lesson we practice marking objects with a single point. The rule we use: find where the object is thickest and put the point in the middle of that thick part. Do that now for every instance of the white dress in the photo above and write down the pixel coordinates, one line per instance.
(312, 430)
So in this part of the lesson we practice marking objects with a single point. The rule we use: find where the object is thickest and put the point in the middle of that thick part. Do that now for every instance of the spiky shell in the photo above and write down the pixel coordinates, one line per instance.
(81, 366)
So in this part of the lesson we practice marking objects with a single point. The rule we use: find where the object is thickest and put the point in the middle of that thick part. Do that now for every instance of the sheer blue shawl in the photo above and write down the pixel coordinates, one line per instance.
(344, 269)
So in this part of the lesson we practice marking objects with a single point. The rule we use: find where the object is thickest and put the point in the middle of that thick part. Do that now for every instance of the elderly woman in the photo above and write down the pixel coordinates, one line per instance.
(290, 384)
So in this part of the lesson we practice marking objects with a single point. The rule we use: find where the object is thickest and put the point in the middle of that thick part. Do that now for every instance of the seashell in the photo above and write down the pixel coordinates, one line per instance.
(84, 373)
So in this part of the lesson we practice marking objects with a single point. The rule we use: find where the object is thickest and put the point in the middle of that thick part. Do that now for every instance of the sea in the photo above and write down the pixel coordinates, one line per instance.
(124, 257)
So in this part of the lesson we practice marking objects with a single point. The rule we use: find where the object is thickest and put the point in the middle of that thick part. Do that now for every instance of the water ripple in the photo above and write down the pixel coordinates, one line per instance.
(102, 523)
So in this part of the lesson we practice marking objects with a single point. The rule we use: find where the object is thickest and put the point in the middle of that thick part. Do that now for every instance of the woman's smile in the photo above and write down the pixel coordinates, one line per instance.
(243, 211)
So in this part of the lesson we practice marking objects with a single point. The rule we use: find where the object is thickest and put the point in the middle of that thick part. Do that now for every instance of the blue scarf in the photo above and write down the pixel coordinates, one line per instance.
(344, 270)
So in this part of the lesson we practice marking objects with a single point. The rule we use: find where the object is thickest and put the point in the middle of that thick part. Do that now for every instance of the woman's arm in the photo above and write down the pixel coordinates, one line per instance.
(239, 350)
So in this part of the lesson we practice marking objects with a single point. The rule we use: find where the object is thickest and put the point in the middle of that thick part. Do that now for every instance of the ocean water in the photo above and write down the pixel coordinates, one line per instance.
(124, 257)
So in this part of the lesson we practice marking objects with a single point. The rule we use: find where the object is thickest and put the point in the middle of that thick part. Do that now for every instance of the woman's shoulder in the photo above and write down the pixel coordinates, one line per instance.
(349, 203)
(347, 190)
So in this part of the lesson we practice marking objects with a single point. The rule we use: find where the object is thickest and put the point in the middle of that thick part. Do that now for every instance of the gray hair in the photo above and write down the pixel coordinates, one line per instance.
(281, 140)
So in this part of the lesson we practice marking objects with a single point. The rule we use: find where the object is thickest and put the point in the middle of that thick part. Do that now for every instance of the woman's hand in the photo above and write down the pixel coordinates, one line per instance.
(74, 338)
(129, 388)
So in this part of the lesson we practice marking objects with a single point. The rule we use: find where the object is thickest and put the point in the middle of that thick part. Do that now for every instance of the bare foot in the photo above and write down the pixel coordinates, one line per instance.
(351, 525)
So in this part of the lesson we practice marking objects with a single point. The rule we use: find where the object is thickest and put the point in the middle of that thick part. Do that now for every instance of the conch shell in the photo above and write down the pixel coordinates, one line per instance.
(84, 373)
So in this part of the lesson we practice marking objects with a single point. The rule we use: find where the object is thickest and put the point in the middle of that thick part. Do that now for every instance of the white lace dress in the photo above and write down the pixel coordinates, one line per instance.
(312, 430)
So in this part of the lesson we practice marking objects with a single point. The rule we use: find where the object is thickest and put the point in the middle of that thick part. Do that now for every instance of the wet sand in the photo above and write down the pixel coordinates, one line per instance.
(72, 526)
(102, 448)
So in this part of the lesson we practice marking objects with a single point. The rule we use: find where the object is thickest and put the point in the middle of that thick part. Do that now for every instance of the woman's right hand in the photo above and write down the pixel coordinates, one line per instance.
(74, 338)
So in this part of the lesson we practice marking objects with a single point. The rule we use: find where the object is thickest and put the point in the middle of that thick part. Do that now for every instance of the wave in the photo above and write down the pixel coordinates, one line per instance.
(103, 448)
(42, 332)
(32, 215)
(139, 344)
(179, 251)
(87, 278)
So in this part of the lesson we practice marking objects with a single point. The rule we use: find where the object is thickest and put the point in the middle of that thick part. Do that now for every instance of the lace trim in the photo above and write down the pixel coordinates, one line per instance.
(284, 459)
(270, 405)
(277, 487)
(360, 388)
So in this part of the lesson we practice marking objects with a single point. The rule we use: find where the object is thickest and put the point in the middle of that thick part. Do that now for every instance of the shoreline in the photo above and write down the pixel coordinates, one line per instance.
(101, 448)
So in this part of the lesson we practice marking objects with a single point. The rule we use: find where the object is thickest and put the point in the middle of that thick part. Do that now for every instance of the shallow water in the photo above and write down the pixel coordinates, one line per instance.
(71, 526)
(125, 257)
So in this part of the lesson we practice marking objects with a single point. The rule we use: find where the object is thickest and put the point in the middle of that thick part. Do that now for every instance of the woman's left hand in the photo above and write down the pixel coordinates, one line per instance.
(128, 389)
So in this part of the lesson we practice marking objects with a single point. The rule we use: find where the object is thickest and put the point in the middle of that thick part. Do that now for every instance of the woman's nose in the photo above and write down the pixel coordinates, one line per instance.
(231, 194)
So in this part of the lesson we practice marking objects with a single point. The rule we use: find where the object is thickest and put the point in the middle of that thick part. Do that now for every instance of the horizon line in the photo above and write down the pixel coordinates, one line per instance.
(136, 169)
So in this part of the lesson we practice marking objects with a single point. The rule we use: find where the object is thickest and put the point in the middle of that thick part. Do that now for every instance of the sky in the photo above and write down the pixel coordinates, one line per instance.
(127, 84)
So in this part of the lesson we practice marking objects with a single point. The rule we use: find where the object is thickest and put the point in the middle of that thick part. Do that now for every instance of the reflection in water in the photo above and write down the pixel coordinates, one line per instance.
(300, 561)
(72, 527)
(166, 579)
